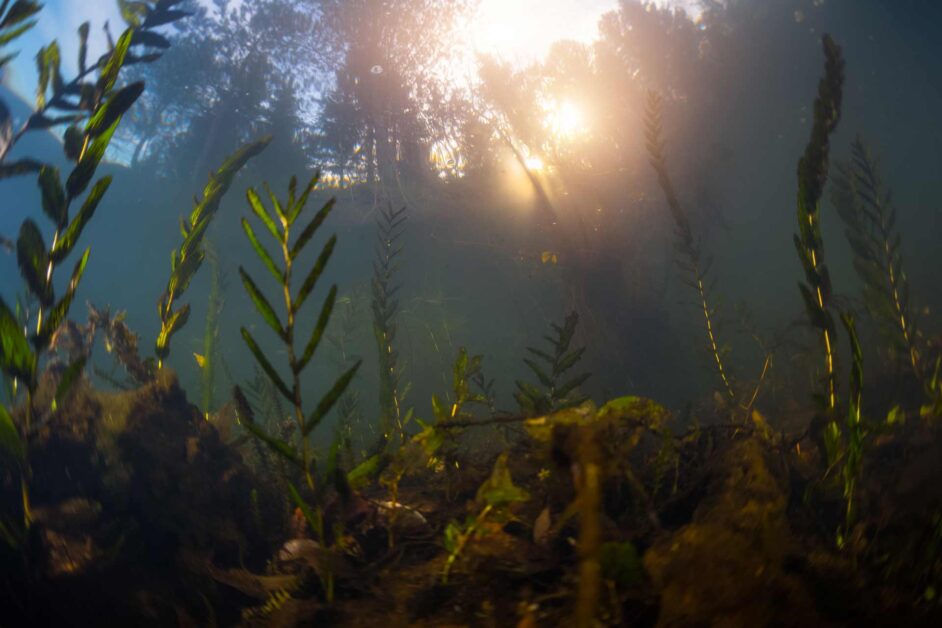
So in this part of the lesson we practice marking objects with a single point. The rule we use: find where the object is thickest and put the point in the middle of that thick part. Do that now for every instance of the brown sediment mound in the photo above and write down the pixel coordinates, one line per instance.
(730, 565)
(127, 486)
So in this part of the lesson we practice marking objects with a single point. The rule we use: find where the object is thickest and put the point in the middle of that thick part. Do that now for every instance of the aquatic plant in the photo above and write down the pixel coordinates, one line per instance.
(853, 428)
(842, 446)
(60, 102)
(385, 306)
(812, 176)
(210, 355)
(100, 105)
(279, 223)
(691, 261)
(492, 502)
(186, 261)
(557, 392)
(350, 420)
(869, 217)
(434, 445)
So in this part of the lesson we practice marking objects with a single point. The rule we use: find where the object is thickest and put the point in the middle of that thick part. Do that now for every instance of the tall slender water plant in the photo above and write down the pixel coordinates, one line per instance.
(92, 111)
(812, 176)
(186, 261)
(385, 306)
(866, 208)
(690, 254)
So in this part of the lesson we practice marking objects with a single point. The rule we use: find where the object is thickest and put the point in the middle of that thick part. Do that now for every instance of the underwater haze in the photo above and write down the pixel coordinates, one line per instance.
(470, 313)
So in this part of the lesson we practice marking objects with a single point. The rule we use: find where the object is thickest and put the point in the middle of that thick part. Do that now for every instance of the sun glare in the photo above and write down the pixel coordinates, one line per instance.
(534, 163)
(565, 119)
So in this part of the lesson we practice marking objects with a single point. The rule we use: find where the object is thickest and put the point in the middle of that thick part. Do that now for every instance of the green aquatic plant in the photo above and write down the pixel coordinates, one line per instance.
(385, 306)
(186, 261)
(869, 217)
(466, 368)
(853, 436)
(691, 260)
(492, 502)
(557, 392)
(210, 355)
(15, 21)
(279, 223)
(92, 110)
(434, 445)
(843, 445)
(60, 102)
(812, 176)
(350, 419)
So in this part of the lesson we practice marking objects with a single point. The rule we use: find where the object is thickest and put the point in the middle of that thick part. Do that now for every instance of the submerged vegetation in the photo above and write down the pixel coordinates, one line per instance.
(586, 505)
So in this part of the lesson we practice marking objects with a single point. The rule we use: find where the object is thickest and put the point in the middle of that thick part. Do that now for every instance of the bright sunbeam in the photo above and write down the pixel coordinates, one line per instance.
(565, 119)
(534, 163)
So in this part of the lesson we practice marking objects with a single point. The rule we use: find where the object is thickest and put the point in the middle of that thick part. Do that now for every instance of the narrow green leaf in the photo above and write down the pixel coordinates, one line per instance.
(311, 280)
(150, 39)
(133, 12)
(10, 442)
(159, 18)
(280, 447)
(571, 385)
(72, 143)
(220, 180)
(262, 305)
(262, 253)
(70, 236)
(5, 59)
(298, 206)
(438, 409)
(83, 46)
(113, 108)
(57, 314)
(16, 356)
(69, 378)
(9, 36)
(112, 67)
(53, 196)
(276, 204)
(259, 209)
(19, 168)
(170, 324)
(20, 11)
(569, 360)
(311, 228)
(45, 59)
(328, 400)
(85, 169)
(545, 379)
(319, 329)
(34, 261)
(266, 365)
(541, 354)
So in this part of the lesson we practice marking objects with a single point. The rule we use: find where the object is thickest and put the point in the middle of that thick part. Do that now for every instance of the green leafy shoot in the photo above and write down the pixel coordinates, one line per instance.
(493, 499)
(465, 368)
(556, 389)
(385, 306)
(62, 102)
(812, 176)
(280, 224)
(690, 257)
(869, 217)
(187, 260)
